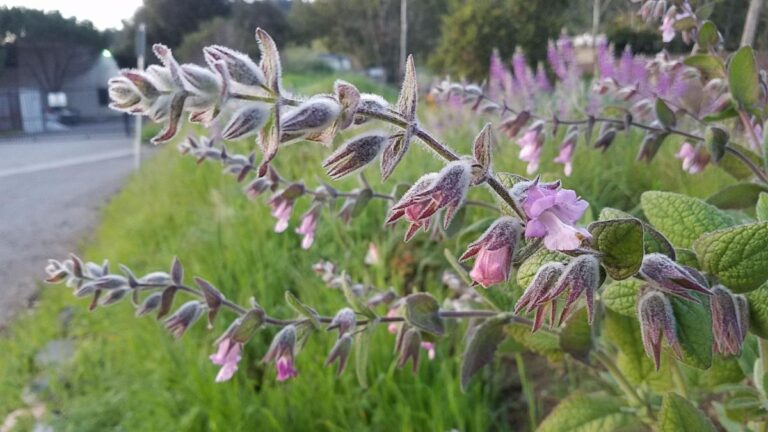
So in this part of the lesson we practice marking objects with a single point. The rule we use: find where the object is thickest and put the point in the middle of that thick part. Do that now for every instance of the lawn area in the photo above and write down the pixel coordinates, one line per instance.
(129, 374)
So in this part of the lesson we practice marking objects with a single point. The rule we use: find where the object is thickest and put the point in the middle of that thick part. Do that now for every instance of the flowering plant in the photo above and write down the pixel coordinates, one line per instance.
(679, 293)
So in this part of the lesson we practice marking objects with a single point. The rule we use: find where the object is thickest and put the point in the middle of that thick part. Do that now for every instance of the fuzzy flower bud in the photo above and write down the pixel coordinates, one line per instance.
(581, 275)
(535, 296)
(512, 125)
(312, 116)
(494, 251)
(408, 348)
(241, 68)
(281, 351)
(150, 303)
(657, 319)
(552, 214)
(431, 193)
(340, 352)
(178, 323)
(257, 187)
(668, 276)
(370, 102)
(730, 316)
(353, 155)
(246, 121)
(344, 320)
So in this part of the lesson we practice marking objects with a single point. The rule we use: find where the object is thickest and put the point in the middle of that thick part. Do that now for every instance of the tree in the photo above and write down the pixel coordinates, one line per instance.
(369, 30)
(472, 30)
(49, 47)
(236, 31)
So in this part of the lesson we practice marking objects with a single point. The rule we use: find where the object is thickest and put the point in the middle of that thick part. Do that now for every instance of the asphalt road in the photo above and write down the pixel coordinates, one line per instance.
(51, 190)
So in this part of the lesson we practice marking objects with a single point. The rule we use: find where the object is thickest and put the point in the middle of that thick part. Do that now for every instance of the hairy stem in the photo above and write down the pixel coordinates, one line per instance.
(749, 163)
(530, 397)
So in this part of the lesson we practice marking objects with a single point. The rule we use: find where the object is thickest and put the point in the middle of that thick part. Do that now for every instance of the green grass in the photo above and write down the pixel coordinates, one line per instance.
(128, 374)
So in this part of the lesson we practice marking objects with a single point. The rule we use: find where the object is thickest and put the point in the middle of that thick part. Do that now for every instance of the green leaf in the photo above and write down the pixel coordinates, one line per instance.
(761, 209)
(457, 223)
(355, 302)
(624, 332)
(717, 141)
(694, 330)
(743, 78)
(576, 336)
(249, 323)
(653, 240)
(362, 349)
(621, 243)
(688, 258)
(541, 342)
(587, 413)
(738, 256)
(664, 114)
(735, 167)
(679, 415)
(361, 202)
(738, 196)
(621, 296)
(530, 266)
(758, 311)
(709, 37)
(710, 66)
(302, 309)
(680, 218)
(481, 346)
(423, 312)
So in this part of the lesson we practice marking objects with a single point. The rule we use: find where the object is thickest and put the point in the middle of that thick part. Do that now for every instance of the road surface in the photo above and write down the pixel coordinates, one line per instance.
(51, 190)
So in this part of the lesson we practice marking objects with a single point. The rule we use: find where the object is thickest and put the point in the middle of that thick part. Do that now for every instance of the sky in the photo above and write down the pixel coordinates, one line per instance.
(103, 14)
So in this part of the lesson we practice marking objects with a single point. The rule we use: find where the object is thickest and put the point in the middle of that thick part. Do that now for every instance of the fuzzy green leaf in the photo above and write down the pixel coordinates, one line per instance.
(738, 256)
(541, 342)
(680, 218)
(576, 336)
(709, 65)
(621, 296)
(481, 346)
(743, 77)
(679, 415)
(621, 243)
(738, 196)
(758, 311)
(587, 413)
(664, 114)
(423, 312)
(761, 209)
(530, 266)
(694, 330)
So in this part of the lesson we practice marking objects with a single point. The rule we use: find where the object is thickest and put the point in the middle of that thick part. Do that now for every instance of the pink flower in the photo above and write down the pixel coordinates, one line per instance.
(667, 28)
(227, 357)
(567, 148)
(372, 256)
(430, 347)
(308, 226)
(392, 327)
(494, 250)
(553, 213)
(282, 204)
(695, 159)
(531, 144)
(285, 369)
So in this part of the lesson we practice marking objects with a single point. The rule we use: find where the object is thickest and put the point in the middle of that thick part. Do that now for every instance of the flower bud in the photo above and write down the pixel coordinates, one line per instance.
(605, 139)
(124, 95)
(246, 121)
(340, 352)
(257, 187)
(349, 98)
(656, 319)
(353, 155)
(668, 276)
(242, 70)
(344, 320)
(156, 279)
(581, 275)
(730, 317)
(370, 102)
(385, 298)
(535, 296)
(313, 115)
(113, 296)
(512, 125)
(650, 146)
(409, 347)
(494, 251)
(150, 303)
(178, 323)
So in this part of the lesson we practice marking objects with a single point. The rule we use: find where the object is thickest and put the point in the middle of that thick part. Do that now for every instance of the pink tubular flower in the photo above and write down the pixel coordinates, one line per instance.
(285, 369)
(667, 28)
(308, 226)
(530, 146)
(567, 148)
(391, 313)
(227, 357)
(494, 250)
(553, 213)
(282, 204)
(695, 159)
(281, 352)
(430, 347)
(446, 189)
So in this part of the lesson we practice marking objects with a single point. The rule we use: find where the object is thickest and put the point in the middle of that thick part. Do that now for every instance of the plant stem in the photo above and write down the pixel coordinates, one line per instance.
(621, 380)
(528, 390)
(748, 162)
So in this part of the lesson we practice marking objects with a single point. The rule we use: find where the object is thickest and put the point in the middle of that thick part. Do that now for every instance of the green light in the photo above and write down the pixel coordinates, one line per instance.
(106, 53)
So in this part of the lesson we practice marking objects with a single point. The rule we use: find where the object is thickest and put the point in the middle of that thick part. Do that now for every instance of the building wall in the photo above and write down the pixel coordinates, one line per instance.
(87, 93)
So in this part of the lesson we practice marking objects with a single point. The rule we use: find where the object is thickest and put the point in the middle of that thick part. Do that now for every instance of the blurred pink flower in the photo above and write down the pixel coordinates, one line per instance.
(695, 159)
(227, 357)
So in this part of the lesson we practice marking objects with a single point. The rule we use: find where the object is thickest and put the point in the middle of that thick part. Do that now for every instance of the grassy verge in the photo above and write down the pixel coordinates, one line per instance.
(128, 374)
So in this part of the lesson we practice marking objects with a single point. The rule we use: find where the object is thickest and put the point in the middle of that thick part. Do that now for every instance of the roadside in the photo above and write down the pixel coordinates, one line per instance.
(52, 187)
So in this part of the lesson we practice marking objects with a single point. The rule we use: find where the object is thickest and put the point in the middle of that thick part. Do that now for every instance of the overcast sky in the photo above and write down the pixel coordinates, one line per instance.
(103, 14)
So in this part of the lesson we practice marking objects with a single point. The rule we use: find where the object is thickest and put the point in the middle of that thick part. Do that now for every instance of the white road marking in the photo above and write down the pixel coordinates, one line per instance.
(65, 162)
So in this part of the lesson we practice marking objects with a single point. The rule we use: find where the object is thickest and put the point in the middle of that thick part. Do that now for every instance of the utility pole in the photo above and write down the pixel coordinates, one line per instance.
(141, 43)
(403, 34)
(750, 22)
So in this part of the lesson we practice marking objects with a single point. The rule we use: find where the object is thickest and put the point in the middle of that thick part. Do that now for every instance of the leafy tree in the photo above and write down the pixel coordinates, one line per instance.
(369, 30)
(471, 31)
(49, 47)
